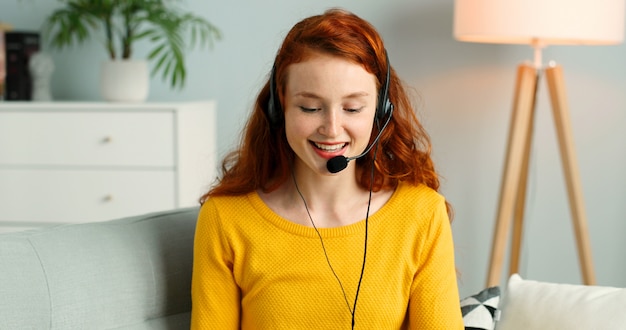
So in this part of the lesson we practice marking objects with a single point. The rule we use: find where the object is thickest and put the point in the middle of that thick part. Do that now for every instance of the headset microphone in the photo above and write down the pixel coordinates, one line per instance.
(339, 163)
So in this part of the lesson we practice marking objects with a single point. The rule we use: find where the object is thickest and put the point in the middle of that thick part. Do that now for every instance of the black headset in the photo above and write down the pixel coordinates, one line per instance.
(274, 111)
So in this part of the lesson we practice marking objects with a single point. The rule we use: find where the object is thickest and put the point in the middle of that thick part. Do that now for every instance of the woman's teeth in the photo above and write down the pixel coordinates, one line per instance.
(330, 147)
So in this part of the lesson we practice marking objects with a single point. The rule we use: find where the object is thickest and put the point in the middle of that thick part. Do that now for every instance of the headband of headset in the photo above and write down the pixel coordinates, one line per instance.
(274, 110)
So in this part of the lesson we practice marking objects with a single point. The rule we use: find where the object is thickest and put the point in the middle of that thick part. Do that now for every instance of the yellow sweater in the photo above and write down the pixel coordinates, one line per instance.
(253, 269)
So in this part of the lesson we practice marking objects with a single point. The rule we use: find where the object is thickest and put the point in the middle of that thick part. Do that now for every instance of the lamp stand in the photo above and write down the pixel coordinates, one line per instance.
(515, 175)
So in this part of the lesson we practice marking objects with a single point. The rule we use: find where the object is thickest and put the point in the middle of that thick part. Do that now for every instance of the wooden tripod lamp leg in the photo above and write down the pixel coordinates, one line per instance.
(556, 86)
(520, 203)
(523, 107)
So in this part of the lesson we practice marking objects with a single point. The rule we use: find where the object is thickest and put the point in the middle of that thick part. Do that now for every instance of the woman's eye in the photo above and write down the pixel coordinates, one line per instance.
(353, 109)
(305, 109)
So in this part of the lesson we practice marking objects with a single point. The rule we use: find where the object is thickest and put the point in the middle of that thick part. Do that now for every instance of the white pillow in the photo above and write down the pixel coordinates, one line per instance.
(531, 305)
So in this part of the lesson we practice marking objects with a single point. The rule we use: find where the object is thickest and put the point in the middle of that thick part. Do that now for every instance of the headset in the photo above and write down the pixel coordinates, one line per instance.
(274, 111)
(384, 111)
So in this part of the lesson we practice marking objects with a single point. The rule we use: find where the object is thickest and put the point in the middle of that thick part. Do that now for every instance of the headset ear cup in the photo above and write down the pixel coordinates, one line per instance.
(385, 107)
(274, 110)
(272, 117)
(383, 112)
(269, 110)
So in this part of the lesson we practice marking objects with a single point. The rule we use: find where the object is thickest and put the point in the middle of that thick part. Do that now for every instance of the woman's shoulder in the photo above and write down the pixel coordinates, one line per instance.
(227, 205)
(420, 192)
(417, 201)
(230, 200)
(416, 209)
(226, 199)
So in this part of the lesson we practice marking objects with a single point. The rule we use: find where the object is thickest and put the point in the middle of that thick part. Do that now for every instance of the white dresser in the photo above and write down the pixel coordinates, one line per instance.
(66, 162)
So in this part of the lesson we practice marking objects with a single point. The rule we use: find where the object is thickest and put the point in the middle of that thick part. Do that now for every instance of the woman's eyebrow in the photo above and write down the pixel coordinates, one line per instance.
(315, 96)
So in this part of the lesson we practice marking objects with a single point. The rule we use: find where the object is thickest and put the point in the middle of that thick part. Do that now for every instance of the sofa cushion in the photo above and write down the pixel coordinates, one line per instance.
(128, 273)
(531, 305)
(480, 310)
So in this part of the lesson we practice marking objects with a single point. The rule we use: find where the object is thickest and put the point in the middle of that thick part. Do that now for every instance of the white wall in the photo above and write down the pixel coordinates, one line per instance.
(465, 95)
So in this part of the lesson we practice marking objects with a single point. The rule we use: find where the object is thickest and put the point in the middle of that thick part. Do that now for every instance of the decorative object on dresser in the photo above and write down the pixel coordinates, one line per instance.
(126, 80)
(124, 23)
(4, 27)
(41, 67)
(66, 162)
(538, 23)
(19, 47)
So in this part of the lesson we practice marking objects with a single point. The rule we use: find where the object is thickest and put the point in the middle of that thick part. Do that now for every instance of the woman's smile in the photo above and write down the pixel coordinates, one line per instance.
(327, 150)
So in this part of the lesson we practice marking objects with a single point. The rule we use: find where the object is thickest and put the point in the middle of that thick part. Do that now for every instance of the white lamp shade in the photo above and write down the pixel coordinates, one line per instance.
(542, 22)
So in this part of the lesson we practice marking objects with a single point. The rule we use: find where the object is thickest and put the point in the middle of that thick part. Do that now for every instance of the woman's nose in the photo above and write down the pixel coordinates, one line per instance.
(331, 125)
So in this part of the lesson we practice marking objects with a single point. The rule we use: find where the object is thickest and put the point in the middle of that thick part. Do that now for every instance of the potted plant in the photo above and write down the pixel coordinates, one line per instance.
(122, 23)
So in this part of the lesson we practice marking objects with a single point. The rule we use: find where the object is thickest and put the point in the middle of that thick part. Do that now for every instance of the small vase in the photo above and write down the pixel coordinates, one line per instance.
(124, 80)
(41, 67)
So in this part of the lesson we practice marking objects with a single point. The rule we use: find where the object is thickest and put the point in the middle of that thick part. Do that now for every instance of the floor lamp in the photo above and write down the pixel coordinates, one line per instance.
(538, 23)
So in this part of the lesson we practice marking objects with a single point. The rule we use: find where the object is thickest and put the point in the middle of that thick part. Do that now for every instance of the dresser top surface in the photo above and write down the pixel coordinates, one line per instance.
(105, 106)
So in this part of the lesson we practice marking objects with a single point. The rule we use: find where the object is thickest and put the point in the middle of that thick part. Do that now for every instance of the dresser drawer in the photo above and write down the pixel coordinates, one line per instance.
(36, 197)
(87, 138)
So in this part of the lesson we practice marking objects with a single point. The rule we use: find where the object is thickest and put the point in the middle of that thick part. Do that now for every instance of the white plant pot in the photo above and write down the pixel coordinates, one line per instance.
(124, 80)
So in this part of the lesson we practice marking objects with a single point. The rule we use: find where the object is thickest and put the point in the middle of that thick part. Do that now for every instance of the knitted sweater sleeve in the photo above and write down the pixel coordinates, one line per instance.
(214, 293)
(434, 302)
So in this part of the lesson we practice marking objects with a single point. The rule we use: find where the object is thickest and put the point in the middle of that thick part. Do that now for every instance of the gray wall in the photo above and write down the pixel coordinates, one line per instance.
(464, 92)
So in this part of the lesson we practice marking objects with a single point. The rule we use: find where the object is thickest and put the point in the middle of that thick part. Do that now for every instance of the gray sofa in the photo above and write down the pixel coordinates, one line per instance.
(135, 273)
(131, 273)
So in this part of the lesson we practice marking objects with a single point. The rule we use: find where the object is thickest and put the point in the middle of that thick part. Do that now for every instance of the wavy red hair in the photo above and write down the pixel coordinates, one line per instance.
(264, 158)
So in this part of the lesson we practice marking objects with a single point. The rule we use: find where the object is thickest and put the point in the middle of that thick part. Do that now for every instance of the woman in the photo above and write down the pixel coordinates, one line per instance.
(290, 239)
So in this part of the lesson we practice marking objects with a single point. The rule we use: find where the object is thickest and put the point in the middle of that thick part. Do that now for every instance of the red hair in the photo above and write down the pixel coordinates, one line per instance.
(264, 158)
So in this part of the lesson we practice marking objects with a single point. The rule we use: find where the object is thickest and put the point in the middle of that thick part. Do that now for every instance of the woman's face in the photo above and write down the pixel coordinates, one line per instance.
(330, 104)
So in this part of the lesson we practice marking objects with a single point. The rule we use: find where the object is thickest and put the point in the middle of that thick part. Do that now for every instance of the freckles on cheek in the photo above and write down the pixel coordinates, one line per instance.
(297, 127)
(294, 130)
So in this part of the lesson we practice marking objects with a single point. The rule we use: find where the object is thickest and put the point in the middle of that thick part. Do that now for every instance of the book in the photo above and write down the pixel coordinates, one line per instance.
(19, 47)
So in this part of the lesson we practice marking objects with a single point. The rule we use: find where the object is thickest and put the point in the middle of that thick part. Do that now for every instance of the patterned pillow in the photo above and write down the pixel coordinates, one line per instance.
(480, 311)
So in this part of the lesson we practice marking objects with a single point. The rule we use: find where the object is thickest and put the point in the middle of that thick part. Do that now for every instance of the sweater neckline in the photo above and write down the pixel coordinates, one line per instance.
(348, 230)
